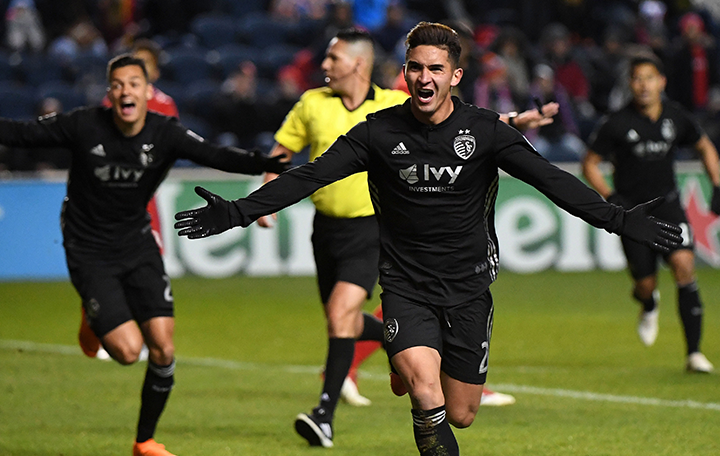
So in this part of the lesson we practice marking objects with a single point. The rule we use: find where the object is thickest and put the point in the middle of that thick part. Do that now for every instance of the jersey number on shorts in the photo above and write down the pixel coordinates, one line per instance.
(167, 294)
(484, 362)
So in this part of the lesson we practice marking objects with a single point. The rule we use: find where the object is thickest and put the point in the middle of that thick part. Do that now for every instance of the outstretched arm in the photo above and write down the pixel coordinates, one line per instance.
(231, 159)
(347, 156)
(573, 196)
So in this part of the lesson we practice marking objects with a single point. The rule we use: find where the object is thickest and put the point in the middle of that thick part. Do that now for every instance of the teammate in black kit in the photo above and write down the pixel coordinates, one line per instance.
(435, 209)
(119, 157)
(641, 140)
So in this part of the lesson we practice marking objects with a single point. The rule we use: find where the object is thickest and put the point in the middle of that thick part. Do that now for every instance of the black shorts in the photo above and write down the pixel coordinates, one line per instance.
(345, 249)
(116, 287)
(461, 334)
(642, 260)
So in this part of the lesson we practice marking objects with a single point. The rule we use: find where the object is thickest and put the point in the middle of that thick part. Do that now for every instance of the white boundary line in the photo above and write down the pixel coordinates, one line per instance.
(300, 369)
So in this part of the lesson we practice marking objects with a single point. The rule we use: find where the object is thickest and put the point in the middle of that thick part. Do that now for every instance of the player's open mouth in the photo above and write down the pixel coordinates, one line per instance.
(425, 95)
(127, 107)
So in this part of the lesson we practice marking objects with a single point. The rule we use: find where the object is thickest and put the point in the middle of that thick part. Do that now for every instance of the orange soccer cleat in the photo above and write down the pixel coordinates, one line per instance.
(89, 343)
(150, 448)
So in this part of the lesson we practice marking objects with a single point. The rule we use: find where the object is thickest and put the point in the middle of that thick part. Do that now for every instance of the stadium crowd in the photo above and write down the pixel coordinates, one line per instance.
(235, 68)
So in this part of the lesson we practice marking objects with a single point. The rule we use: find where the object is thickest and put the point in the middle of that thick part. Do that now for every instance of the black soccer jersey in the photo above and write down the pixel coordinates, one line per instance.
(643, 151)
(113, 177)
(434, 191)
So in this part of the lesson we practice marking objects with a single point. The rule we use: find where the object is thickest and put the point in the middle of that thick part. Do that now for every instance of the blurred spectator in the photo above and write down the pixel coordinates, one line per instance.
(607, 63)
(692, 64)
(395, 28)
(113, 17)
(236, 108)
(568, 72)
(81, 38)
(24, 31)
(559, 141)
(339, 16)
(304, 70)
(650, 27)
(273, 111)
(492, 89)
(511, 44)
(469, 60)
(295, 10)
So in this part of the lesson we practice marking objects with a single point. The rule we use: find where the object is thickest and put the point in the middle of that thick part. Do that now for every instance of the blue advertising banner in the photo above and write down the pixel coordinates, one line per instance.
(534, 234)
(30, 238)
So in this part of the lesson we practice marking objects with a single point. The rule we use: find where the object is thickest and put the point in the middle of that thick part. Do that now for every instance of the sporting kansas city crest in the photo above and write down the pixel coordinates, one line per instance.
(464, 144)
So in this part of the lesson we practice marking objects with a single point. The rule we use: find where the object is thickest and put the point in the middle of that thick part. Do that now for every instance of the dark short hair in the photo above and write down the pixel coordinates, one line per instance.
(354, 35)
(434, 34)
(650, 59)
(124, 60)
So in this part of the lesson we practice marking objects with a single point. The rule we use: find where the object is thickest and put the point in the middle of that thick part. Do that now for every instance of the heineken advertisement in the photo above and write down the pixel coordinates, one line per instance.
(534, 234)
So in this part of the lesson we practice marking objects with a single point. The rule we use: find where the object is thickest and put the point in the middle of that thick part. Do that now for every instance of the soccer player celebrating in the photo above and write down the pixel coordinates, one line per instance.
(345, 238)
(641, 140)
(435, 211)
(119, 157)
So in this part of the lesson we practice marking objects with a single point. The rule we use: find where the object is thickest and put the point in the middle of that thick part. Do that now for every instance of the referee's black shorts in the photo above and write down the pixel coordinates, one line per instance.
(345, 249)
(460, 333)
(642, 260)
(119, 286)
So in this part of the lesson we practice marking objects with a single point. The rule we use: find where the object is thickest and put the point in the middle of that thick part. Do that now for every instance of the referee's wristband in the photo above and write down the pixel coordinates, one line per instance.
(511, 118)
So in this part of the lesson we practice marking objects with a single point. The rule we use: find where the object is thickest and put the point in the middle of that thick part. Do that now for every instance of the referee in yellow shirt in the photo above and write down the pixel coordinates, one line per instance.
(345, 232)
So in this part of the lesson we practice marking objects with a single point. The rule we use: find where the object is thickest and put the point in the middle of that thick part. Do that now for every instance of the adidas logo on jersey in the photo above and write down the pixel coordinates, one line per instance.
(98, 150)
(400, 149)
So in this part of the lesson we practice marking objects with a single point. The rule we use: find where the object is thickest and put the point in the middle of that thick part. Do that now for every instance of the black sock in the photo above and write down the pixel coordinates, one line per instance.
(339, 359)
(158, 383)
(648, 304)
(433, 435)
(373, 328)
(690, 309)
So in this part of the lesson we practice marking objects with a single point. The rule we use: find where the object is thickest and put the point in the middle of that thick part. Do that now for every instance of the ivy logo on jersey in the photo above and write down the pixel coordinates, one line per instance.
(409, 174)
(118, 174)
(464, 144)
(667, 129)
(391, 329)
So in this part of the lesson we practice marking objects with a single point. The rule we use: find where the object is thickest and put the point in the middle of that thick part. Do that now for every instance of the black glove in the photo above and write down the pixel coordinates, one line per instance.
(273, 164)
(654, 233)
(715, 201)
(618, 200)
(206, 221)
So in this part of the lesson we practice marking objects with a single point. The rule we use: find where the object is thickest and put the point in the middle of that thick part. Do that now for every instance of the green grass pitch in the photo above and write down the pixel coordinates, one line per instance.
(250, 350)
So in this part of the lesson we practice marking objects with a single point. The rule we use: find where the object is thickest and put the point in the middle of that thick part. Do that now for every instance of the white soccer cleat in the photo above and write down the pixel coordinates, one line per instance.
(102, 354)
(697, 362)
(350, 394)
(144, 353)
(648, 326)
(495, 399)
